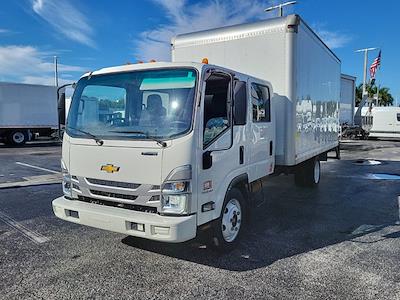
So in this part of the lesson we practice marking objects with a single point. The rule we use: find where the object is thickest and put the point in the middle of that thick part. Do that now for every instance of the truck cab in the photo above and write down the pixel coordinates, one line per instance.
(159, 150)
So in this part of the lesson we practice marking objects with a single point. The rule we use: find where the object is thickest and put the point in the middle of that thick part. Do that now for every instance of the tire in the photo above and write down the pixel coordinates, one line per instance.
(308, 173)
(228, 229)
(18, 137)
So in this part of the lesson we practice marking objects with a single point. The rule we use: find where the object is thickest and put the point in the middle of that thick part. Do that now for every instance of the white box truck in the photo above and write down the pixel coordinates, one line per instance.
(163, 150)
(27, 110)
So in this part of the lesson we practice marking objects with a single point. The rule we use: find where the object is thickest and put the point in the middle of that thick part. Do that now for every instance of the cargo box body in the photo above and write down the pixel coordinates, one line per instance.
(347, 99)
(303, 71)
(28, 106)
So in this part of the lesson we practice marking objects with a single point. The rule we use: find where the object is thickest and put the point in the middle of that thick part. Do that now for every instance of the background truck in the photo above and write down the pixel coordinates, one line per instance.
(347, 100)
(385, 121)
(27, 110)
(349, 127)
(163, 150)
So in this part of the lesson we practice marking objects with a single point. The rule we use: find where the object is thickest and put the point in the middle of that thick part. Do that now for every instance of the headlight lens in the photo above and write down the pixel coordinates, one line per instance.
(174, 204)
(175, 197)
(66, 181)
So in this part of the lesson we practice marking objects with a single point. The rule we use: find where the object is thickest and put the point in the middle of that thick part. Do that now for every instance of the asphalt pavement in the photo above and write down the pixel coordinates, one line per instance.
(338, 241)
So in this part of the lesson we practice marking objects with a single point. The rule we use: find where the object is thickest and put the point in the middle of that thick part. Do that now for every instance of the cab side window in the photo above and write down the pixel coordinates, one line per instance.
(216, 112)
(261, 103)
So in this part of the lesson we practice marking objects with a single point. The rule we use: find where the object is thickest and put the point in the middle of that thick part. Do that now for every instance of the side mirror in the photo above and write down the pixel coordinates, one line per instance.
(61, 109)
(240, 103)
(207, 160)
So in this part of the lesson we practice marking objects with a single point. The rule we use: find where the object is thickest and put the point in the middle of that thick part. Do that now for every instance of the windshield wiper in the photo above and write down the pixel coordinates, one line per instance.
(159, 142)
(99, 141)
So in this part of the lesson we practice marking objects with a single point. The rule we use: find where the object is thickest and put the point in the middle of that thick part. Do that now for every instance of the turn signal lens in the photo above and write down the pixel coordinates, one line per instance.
(175, 187)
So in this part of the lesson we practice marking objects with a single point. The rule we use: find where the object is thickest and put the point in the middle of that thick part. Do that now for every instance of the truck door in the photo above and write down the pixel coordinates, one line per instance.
(262, 138)
(219, 142)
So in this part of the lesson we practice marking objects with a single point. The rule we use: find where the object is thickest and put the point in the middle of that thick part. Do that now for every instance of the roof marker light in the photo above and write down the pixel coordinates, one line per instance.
(205, 61)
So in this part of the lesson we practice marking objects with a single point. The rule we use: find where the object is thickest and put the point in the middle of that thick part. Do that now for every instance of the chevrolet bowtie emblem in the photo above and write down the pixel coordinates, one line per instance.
(109, 168)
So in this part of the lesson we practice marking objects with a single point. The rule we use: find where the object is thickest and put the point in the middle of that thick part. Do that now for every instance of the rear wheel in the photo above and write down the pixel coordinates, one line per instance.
(228, 229)
(308, 173)
(18, 137)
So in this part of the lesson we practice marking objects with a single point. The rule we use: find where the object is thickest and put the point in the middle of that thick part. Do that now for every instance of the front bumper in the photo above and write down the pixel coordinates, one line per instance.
(156, 227)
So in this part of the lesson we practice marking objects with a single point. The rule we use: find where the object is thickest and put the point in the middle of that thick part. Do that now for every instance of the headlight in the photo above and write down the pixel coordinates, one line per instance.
(174, 204)
(175, 197)
(66, 181)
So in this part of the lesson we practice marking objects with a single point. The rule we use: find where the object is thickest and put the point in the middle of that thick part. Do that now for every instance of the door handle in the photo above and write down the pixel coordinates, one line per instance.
(241, 155)
(271, 148)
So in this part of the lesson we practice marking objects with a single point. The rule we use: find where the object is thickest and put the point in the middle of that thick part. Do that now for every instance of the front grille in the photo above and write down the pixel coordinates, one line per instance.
(113, 195)
(125, 185)
(141, 208)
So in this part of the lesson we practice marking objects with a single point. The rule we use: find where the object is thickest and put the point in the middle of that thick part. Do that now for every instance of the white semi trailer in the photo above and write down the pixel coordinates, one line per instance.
(347, 100)
(27, 110)
(163, 150)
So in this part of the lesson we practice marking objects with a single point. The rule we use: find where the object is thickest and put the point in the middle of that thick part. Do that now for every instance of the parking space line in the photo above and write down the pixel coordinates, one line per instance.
(30, 234)
(32, 180)
(36, 167)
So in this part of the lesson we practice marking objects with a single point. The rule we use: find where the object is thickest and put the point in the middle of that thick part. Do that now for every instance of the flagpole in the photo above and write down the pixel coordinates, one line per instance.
(366, 50)
(377, 94)
(56, 71)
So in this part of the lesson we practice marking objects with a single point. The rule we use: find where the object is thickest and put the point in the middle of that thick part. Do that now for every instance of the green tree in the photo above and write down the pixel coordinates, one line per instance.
(385, 98)
(359, 90)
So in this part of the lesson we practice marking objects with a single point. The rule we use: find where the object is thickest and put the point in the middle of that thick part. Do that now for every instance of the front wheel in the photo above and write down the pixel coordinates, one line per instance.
(229, 227)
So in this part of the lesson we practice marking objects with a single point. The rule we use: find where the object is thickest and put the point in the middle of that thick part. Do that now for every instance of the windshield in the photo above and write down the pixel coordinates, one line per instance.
(139, 104)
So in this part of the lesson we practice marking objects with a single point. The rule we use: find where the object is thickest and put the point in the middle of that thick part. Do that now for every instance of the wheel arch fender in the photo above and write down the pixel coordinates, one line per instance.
(240, 182)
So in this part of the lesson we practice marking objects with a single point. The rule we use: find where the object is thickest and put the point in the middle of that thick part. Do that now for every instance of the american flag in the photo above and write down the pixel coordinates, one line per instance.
(375, 65)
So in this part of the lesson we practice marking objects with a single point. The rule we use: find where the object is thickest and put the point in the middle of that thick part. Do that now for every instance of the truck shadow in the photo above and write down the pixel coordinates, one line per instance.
(295, 221)
(34, 144)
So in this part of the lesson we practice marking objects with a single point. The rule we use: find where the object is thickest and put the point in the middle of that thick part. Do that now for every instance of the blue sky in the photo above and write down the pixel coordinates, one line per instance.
(91, 34)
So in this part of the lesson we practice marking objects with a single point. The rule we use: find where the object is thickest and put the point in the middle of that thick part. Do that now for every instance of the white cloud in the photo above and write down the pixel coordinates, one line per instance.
(30, 65)
(333, 39)
(66, 19)
(184, 17)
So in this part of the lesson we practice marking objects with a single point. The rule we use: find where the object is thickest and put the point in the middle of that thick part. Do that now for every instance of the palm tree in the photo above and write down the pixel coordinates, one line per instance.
(385, 98)
(359, 90)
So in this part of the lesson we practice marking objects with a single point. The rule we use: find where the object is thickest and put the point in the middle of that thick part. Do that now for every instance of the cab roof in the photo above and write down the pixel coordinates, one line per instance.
(143, 66)
(160, 65)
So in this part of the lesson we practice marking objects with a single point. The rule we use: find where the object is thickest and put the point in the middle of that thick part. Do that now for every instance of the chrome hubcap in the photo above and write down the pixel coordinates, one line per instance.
(231, 220)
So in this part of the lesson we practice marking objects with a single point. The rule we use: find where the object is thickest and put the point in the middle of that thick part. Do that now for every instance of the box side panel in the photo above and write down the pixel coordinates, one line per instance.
(347, 98)
(317, 87)
(28, 106)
